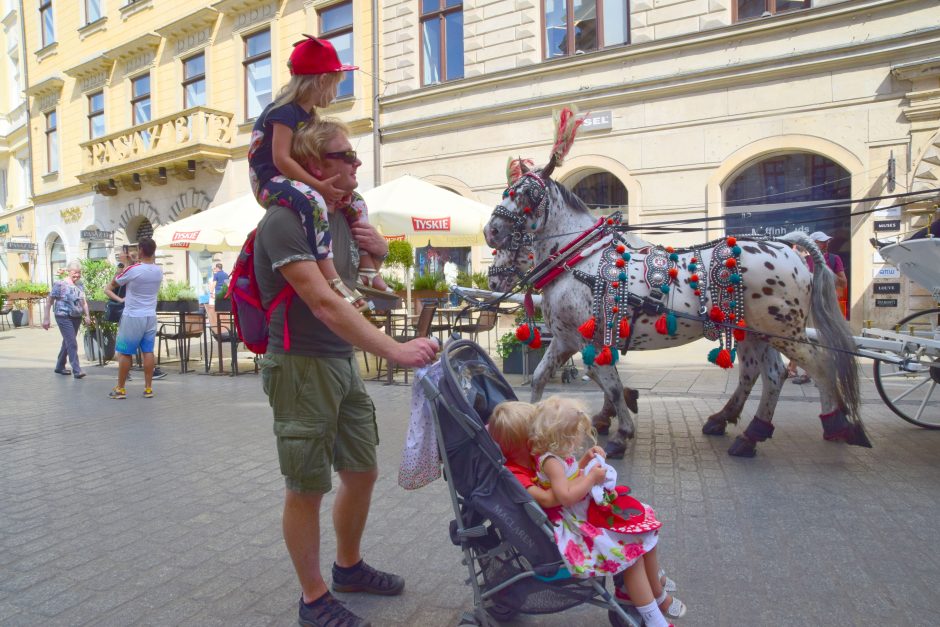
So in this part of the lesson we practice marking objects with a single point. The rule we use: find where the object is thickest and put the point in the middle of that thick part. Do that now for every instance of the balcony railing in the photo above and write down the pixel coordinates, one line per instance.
(196, 134)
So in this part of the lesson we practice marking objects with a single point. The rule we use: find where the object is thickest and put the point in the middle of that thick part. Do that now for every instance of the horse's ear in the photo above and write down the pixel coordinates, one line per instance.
(515, 168)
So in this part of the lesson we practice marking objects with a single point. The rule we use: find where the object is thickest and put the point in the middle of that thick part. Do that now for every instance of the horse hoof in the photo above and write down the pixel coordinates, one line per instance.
(742, 447)
(601, 426)
(713, 427)
(615, 450)
(630, 397)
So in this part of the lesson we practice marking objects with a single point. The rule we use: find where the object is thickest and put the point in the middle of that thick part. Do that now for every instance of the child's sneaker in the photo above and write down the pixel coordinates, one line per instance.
(118, 393)
(148, 392)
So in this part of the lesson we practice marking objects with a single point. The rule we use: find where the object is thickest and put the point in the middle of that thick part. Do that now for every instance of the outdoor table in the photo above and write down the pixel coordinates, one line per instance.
(386, 320)
(179, 319)
(225, 323)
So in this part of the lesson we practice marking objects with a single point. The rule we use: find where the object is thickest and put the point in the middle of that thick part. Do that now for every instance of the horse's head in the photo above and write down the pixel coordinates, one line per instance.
(521, 212)
(509, 266)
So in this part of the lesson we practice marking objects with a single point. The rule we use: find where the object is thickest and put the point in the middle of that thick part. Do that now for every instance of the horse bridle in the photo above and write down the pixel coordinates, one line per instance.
(530, 186)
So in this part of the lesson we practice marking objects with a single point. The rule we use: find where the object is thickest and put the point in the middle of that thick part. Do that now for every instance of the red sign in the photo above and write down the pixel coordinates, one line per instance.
(185, 236)
(430, 224)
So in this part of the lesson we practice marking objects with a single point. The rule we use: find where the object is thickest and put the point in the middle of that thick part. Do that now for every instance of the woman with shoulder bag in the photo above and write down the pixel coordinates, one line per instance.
(67, 300)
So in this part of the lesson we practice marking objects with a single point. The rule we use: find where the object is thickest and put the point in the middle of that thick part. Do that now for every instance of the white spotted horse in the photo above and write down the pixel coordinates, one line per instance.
(605, 291)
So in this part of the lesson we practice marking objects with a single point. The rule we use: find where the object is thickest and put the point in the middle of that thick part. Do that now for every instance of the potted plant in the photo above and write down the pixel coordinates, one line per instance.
(428, 287)
(222, 302)
(96, 276)
(177, 296)
(22, 294)
(510, 349)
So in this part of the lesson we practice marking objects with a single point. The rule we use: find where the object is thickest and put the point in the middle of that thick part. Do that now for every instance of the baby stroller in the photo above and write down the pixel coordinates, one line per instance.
(507, 540)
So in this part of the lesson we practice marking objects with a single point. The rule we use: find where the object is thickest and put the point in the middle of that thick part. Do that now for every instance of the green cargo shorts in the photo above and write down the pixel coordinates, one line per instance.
(324, 418)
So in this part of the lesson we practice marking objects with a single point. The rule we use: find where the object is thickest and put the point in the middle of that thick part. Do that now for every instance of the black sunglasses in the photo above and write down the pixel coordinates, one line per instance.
(348, 156)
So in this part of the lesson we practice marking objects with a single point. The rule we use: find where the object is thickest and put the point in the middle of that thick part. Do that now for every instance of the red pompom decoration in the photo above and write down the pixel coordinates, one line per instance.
(536, 340)
(512, 194)
(716, 314)
(610, 220)
(621, 248)
(673, 272)
(604, 357)
(615, 284)
(527, 210)
(730, 289)
(739, 333)
(661, 327)
(493, 252)
(694, 277)
(724, 359)
(698, 292)
(670, 249)
(619, 263)
(732, 316)
(731, 262)
(732, 241)
(587, 329)
(693, 260)
(531, 256)
(523, 332)
(624, 327)
(615, 309)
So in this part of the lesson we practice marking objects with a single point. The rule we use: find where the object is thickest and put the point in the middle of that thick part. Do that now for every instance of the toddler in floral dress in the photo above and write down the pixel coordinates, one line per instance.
(617, 536)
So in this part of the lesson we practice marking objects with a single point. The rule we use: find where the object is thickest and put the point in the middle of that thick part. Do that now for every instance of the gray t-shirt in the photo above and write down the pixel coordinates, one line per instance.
(143, 283)
(280, 240)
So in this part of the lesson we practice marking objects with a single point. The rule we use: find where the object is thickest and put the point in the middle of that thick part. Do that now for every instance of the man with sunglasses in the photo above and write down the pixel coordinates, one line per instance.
(324, 419)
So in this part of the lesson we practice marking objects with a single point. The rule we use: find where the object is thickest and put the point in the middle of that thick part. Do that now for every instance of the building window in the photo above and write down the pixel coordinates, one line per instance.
(96, 115)
(602, 192)
(46, 22)
(578, 26)
(194, 81)
(750, 9)
(92, 11)
(336, 26)
(52, 143)
(441, 40)
(140, 99)
(56, 258)
(257, 73)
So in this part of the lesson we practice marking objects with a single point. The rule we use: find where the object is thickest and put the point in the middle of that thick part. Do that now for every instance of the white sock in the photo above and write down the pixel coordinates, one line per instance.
(652, 617)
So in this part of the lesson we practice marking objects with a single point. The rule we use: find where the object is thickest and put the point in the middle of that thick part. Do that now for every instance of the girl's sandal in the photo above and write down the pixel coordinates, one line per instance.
(367, 277)
(668, 584)
(353, 297)
(676, 608)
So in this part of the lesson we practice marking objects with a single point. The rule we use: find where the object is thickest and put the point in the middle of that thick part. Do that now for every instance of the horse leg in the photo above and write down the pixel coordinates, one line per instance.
(771, 369)
(608, 379)
(554, 357)
(601, 420)
(834, 417)
(750, 356)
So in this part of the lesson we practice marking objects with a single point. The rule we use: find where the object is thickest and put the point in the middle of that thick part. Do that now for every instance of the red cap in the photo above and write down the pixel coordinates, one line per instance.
(316, 56)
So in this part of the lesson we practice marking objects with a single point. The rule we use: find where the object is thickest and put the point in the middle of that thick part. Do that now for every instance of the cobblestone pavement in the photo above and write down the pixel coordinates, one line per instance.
(167, 511)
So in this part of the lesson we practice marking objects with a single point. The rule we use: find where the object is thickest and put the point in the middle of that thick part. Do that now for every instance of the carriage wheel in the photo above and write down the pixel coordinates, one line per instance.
(921, 388)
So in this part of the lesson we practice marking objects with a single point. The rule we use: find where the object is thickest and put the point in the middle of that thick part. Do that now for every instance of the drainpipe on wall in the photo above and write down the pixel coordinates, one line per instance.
(376, 138)
(29, 132)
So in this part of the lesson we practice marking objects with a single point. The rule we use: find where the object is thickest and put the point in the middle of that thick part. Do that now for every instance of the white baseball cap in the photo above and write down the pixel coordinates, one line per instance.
(819, 236)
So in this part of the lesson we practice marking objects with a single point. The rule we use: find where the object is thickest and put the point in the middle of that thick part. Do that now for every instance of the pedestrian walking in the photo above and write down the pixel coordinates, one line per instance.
(137, 329)
(67, 300)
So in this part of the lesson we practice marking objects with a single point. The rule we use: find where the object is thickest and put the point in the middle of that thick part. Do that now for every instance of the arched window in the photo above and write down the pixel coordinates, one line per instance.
(602, 192)
(56, 258)
(144, 229)
(797, 191)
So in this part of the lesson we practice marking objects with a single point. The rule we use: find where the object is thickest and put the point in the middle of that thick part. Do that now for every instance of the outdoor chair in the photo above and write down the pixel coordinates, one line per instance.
(181, 331)
(484, 323)
(422, 329)
(4, 313)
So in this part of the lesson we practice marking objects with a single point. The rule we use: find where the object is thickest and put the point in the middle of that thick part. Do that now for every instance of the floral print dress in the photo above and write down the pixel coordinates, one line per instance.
(589, 550)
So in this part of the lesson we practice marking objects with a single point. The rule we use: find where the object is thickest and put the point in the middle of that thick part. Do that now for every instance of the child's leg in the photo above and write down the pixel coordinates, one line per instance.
(332, 277)
(637, 585)
(368, 274)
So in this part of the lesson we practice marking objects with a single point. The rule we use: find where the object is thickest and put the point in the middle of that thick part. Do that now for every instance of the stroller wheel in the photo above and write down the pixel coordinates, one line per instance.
(501, 613)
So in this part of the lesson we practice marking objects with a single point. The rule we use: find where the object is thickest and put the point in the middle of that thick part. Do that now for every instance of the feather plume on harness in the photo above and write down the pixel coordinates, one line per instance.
(567, 122)
(515, 168)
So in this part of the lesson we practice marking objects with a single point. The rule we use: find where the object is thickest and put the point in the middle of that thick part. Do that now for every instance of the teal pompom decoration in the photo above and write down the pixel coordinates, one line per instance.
(533, 226)
(736, 251)
(673, 256)
(734, 354)
(693, 267)
(713, 354)
(622, 276)
(671, 323)
(588, 353)
(610, 325)
(664, 289)
(735, 278)
(616, 299)
(733, 304)
(693, 285)
(614, 355)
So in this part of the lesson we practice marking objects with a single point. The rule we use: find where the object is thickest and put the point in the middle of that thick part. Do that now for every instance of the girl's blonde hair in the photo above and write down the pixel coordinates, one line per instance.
(311, 141)
(561, 426)
(322, 87)
(509, 424)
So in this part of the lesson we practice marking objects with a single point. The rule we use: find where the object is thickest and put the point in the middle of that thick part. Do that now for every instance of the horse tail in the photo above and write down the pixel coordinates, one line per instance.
(832, 330)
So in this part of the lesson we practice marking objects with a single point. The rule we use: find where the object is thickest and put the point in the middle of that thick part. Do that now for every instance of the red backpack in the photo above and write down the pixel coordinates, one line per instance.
(251, 318)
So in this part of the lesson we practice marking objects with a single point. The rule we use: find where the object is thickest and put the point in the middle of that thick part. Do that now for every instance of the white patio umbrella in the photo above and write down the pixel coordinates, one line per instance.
(221, 228)
(421, 212)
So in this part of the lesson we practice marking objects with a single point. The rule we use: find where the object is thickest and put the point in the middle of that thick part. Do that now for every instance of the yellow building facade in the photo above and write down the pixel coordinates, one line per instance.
(17, 248)
(141, 111)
